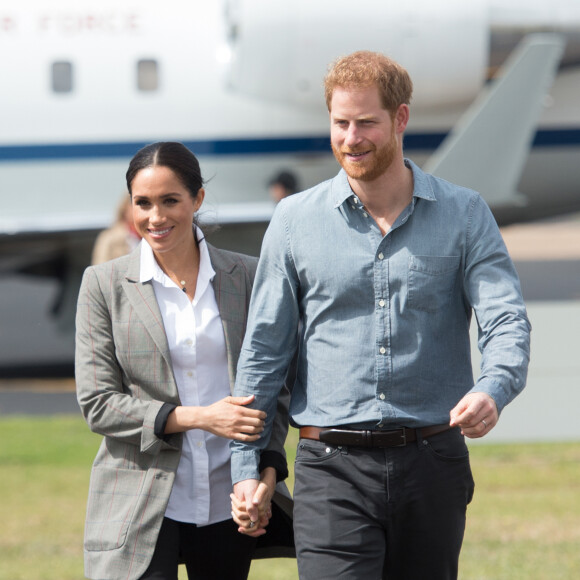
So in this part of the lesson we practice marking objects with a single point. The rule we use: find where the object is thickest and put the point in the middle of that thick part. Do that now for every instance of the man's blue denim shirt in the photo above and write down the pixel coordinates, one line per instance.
(384, 334)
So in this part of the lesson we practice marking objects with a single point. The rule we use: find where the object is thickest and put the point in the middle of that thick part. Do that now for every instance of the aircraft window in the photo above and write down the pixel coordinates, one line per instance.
(62, 77)
(147, 75)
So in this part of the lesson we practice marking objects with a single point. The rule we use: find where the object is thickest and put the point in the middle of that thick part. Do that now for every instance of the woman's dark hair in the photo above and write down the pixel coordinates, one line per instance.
(173, 155)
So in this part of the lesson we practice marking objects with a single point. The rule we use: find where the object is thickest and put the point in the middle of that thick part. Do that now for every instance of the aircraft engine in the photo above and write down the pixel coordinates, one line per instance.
(281, 50)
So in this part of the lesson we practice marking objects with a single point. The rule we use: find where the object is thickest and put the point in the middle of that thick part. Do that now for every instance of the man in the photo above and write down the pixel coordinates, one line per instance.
(383, 265)
(283, 185)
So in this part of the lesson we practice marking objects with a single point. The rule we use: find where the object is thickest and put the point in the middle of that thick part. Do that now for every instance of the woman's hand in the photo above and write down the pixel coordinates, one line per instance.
(252, 512)
(228, 418)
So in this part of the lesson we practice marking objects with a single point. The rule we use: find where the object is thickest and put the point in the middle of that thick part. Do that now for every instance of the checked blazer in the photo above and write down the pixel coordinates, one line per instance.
(124, 376)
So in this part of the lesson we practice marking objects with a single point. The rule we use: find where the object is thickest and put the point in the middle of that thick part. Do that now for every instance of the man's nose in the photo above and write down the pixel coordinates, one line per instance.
(352, 136)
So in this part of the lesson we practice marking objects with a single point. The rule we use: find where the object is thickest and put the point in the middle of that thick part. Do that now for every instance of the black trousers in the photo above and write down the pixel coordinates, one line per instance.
(214, 552)
(391, 514)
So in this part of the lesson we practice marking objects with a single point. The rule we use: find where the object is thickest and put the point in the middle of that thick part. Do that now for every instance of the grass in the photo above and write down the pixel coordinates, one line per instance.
(524, 523)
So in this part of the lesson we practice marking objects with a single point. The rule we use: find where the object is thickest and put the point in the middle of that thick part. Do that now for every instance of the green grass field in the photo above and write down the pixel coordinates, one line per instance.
(524, 522)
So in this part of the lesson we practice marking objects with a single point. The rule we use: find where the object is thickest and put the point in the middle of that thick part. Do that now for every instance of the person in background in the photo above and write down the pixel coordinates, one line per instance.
(283, 185)
(158, 338)
(384, 266)
(120, 238)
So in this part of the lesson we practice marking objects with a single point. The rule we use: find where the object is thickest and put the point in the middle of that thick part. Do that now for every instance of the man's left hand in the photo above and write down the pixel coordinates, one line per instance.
(252, 503)
(476, 414)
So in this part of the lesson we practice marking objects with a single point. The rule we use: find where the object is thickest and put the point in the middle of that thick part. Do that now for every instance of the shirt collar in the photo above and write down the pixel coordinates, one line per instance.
(422, 187)
(150, 269)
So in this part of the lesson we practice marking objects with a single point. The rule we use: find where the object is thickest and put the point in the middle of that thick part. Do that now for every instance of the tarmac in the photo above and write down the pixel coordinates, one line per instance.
(547, 257)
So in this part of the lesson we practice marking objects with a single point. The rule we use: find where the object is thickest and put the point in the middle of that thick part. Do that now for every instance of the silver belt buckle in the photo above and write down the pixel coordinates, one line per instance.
(403, 437)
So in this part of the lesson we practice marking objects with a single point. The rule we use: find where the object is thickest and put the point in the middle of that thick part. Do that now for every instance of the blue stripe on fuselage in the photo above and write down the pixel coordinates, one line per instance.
(225, 147)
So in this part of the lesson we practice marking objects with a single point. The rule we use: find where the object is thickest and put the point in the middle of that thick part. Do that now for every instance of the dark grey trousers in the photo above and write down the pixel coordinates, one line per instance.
(396, 513)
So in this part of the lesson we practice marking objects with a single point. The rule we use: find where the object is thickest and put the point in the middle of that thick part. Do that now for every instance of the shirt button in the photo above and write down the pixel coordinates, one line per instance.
(381, 425)
(365, 214)
(382, 396)
(381, 256)
(381, 303)
(382, 350)
(199, 444)
(189, 342)
(189, 374)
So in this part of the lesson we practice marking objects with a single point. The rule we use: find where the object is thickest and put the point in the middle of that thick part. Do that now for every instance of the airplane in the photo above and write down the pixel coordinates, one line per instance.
(85, 85)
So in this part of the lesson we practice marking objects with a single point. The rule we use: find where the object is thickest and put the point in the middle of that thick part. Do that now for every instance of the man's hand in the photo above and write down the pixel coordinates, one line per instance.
(476, 414)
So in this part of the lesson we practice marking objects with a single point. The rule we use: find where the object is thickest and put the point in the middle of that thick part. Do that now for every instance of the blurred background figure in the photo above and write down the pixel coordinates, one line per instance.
(120, 238)
(283, 185)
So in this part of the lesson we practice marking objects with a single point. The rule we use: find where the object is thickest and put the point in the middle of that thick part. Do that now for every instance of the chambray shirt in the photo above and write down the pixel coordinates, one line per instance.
(384, 334)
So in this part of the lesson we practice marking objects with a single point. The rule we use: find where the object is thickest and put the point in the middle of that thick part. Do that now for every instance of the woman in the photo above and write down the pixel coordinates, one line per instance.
(120, 238)
(158, 338)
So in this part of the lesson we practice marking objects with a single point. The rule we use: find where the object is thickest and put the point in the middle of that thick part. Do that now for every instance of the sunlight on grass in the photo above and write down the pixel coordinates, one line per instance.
(523, 524)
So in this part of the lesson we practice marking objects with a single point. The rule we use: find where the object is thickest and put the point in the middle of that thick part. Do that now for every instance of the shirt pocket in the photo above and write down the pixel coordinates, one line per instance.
(431, 280)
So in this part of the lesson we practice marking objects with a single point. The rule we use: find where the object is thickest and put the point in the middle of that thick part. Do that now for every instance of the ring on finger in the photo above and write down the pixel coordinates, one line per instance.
(484, 423)
(252, 524)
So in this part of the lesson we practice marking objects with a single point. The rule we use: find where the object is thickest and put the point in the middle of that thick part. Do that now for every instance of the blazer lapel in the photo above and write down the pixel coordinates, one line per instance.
(142, 297)
(232, 297)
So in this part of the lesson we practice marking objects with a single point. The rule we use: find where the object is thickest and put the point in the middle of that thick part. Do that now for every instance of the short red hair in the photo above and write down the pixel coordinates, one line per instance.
(364, 69)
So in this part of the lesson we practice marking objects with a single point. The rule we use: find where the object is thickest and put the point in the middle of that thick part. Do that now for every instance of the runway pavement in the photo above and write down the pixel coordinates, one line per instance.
(547, 256)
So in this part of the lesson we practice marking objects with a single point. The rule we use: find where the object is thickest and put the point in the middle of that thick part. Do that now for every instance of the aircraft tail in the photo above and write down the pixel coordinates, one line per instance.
(487, 149)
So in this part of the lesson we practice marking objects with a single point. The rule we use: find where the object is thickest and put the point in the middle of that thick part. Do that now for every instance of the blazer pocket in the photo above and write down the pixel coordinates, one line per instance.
(113, 497)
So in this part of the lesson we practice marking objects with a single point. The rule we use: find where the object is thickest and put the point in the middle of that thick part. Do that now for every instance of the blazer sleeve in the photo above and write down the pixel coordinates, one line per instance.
(112, 405)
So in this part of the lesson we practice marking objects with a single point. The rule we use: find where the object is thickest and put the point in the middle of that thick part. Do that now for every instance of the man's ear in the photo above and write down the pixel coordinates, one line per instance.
(402, 118)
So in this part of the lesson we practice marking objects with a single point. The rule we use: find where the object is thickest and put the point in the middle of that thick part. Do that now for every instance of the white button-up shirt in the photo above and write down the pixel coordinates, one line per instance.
(196, 341)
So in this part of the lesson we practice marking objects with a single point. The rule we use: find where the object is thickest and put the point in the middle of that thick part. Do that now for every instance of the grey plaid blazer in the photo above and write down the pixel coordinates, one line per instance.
(123, 376)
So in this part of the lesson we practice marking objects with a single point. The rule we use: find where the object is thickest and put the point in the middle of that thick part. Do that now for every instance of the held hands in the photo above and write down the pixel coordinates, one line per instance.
(476, 414)
(252, 503)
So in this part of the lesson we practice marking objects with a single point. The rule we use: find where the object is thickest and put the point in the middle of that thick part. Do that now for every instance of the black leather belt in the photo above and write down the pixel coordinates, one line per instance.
(368, 438)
